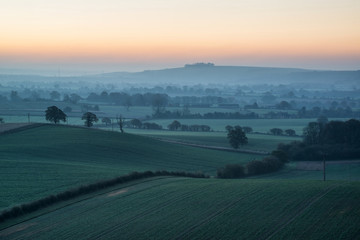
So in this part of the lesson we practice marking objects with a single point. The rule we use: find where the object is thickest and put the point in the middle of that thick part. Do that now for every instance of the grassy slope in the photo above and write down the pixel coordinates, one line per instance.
(45, 160)
(180, 208)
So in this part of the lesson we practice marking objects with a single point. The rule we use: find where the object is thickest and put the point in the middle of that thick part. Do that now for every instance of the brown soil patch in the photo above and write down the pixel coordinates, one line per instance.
(17, 228)
(112, 194)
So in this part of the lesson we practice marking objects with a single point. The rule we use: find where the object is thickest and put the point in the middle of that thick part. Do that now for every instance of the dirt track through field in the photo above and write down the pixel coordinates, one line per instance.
(112, 194)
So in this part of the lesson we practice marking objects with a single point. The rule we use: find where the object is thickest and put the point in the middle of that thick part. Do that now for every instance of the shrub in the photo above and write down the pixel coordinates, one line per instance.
(267, 165)
(231, 171)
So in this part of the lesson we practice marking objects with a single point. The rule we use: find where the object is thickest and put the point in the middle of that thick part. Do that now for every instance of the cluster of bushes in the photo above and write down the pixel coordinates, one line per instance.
(72, 193)
(269, 164)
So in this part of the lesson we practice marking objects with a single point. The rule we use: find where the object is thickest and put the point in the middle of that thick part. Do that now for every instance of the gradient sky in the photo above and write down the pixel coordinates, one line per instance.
(117, 35)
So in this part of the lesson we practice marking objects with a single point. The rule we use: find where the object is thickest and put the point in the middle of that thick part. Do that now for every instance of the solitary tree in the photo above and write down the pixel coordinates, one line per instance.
(175, 125)
(54, 114)
(236, 136)
(89, 118)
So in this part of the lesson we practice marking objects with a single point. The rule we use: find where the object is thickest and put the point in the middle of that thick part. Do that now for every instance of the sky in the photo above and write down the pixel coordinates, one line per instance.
(87, 36)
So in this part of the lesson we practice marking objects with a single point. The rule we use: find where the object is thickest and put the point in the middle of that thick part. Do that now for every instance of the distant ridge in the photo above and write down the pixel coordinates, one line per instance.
(208, 73)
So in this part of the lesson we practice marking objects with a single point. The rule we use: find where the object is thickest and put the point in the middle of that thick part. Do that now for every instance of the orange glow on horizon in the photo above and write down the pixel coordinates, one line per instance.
(179, 29)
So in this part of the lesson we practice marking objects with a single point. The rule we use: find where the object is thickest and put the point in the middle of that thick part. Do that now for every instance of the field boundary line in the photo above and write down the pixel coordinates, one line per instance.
(213, 147)
(304, 207)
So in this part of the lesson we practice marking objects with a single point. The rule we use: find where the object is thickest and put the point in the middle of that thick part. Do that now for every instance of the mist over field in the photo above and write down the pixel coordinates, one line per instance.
(181, 119)
(207, 73)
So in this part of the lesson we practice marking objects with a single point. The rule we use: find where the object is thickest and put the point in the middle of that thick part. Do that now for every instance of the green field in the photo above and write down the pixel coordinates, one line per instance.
(182, 208)
(257, 142)
(41, 161)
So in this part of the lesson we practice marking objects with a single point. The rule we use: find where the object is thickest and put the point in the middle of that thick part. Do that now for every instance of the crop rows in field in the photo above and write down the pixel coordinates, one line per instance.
(50, 159)
(179, 208)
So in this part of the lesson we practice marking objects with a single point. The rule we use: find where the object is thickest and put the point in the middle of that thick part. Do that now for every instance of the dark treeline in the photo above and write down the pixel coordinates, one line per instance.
(138, 124)
(334, 140)
(177, 126)
(82, 190)
(213, 115)
(268, 164)
(332, 112)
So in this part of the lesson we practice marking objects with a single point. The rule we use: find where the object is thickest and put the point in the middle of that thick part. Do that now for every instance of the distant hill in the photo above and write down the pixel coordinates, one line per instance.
(192, 74)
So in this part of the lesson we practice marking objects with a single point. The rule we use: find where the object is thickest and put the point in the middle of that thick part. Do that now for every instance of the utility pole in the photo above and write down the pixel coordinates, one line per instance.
(324, 167)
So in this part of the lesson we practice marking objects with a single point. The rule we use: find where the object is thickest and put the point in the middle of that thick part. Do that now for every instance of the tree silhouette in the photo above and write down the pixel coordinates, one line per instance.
(54, 114)
(89, 118)
(120, 122)
(236, 136)
(175, 125)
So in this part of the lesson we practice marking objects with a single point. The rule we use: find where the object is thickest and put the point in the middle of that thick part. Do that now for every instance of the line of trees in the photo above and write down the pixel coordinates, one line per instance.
(55, 115)
(138, 124)
(181, 114)
(278, 131)
(334, 140)
(86, 189)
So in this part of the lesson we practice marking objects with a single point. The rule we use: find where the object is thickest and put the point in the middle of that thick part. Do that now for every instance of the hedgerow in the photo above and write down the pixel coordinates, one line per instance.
(85, 189)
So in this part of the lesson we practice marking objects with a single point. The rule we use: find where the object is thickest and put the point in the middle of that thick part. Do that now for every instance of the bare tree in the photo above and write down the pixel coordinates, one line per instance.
(120, 122)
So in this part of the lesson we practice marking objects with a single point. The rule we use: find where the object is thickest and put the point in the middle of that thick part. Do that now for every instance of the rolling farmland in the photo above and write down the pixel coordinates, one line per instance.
(48, 159)
(183, 208)
(260, 142)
